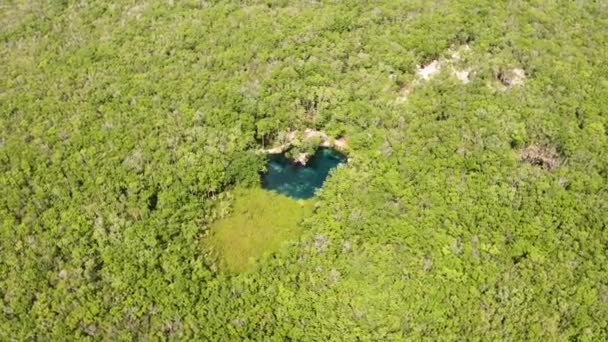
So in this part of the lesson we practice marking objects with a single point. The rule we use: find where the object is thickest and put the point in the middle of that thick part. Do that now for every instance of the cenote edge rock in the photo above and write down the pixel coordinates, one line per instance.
(298, 181)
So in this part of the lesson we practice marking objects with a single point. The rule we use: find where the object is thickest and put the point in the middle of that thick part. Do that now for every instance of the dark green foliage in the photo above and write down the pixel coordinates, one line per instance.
(123, 126)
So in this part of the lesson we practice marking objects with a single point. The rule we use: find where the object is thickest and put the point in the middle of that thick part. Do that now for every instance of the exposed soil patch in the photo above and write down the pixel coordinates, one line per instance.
(511, 77)
(540, 155)
(426, 71)
(462, 75)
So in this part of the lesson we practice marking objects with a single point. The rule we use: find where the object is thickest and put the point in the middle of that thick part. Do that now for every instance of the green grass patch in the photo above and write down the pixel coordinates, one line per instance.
(260, 222)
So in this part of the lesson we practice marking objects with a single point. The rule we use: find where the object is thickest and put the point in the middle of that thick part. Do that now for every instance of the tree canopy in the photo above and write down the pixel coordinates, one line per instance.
(467, 210)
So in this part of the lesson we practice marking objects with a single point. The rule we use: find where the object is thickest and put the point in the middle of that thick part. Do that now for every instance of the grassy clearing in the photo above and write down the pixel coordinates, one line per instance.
(260, 222)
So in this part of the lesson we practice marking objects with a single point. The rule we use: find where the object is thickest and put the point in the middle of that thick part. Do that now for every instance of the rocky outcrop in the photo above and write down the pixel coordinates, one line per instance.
(511, 77)
(301, 158)
(426, 71)
(292, 138)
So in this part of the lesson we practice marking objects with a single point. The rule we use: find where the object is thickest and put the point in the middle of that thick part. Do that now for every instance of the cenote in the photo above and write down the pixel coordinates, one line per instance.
(300, 181)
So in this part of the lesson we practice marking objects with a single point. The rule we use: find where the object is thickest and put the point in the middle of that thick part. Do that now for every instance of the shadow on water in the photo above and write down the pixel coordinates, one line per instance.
(300, 181)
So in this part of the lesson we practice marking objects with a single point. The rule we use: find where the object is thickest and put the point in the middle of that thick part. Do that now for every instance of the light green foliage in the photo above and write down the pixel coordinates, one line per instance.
(124, 127)
(307, 146)
(259, 223)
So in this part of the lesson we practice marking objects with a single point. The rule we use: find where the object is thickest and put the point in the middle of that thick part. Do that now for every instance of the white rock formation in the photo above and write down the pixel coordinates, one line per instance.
(426, 71)
(302, 158)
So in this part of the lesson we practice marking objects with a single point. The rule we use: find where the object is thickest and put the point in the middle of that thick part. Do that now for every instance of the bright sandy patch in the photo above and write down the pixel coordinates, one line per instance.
(462, 75)
(519, 75)
(426, 71)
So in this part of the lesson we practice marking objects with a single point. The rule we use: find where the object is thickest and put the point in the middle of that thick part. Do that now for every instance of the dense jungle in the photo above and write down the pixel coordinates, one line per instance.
(470, 200)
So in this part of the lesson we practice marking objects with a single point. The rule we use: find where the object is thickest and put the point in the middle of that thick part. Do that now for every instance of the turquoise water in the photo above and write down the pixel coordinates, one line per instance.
(300, 181)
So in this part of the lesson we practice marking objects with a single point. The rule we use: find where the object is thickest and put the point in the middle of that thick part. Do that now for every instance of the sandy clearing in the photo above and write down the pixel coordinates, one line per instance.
(426, 71)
